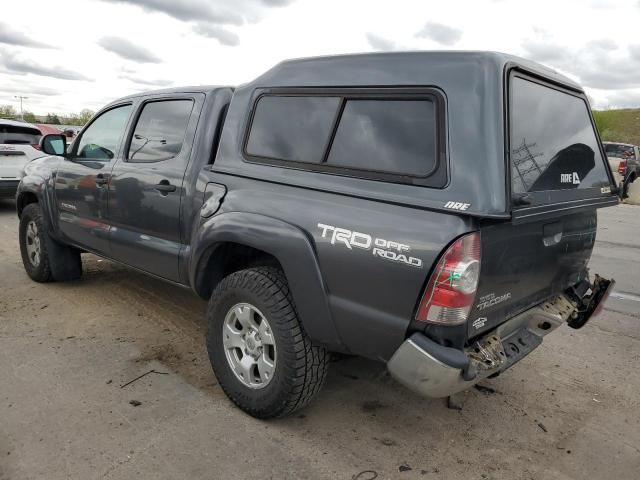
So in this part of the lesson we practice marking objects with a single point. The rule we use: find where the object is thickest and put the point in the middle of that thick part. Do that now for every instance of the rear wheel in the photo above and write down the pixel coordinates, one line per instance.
(44, 259)
(262, 358)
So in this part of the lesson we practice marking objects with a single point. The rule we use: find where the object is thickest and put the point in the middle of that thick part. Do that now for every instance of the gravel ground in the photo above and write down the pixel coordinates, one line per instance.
(569, 410)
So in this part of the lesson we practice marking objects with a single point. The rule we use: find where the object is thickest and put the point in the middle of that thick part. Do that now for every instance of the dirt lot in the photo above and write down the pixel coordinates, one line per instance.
(569, 410)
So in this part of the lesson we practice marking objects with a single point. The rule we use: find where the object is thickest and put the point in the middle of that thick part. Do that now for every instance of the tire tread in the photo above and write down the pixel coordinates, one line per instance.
(306, 362)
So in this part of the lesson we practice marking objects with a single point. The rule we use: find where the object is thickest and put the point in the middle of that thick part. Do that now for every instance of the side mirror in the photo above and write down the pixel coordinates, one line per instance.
(54, 144)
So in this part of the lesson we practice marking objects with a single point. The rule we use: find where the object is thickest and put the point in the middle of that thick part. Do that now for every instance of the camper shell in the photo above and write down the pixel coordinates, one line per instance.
(472, 95)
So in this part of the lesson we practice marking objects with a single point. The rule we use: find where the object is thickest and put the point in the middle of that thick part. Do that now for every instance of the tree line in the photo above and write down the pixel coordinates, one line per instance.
(79, 119)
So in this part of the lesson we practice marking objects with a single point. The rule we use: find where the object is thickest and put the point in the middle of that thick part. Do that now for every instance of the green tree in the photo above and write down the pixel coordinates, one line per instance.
(84, 116)
(52, 119)
(619, 125)
(7, 111)
(29, 117)
(70, 119)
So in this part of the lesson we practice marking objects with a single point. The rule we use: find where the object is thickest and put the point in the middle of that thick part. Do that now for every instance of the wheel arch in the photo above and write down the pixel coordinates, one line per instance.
(23, 199)
(232, 241)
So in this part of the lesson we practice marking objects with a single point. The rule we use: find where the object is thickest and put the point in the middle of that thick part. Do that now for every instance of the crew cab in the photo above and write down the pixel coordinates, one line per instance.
(435, 211)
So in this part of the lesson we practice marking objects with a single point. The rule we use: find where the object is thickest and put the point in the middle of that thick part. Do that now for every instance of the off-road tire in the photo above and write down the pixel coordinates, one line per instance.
(301, 366)
(58, 262)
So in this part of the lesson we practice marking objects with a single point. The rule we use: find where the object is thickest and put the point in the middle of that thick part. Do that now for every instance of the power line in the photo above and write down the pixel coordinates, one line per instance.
(524, 161)
(21, 97)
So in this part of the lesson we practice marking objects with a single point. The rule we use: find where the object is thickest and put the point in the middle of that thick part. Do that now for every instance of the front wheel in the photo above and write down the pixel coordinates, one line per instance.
(44, 259)
(261, 355)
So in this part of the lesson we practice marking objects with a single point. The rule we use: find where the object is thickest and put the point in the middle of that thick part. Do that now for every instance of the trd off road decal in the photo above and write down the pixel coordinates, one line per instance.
(379, 247)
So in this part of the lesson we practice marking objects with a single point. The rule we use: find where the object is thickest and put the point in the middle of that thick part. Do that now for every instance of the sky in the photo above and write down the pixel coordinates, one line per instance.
(75, 54)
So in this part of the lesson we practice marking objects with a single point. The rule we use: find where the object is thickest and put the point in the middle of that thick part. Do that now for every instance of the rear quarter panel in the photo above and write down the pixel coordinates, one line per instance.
(372, 299)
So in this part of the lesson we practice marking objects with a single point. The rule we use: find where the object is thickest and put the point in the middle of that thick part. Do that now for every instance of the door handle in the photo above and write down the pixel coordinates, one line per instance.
(101, 179)
(164, 187)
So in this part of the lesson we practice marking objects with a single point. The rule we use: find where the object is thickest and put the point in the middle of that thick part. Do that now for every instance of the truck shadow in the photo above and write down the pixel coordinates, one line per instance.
(360, 409)
(168, 324)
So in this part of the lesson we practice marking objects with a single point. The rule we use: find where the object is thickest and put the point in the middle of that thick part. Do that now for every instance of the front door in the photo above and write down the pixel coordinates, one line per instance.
(147, 184)
(81, 183)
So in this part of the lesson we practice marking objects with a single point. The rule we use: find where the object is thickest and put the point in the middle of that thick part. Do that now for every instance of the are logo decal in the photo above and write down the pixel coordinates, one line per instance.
(457, 205)
(572, 178)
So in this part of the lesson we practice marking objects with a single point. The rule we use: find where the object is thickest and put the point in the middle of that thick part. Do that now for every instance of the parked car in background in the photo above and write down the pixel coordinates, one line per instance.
(630, 166)
(620, 151)
(19, 144)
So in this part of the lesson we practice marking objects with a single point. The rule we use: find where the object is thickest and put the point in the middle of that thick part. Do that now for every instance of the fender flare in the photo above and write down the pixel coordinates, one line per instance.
(294, 251)
(39, 180)
(31, 185)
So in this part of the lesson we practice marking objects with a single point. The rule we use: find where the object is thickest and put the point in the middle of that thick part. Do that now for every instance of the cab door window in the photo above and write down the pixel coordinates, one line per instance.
(101, 139)
(160, 130)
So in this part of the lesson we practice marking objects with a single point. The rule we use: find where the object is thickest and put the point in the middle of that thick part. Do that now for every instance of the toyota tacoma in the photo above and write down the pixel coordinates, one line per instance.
(435, 211)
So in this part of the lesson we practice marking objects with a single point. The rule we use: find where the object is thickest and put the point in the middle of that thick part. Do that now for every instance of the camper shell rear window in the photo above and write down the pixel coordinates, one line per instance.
(553, 143)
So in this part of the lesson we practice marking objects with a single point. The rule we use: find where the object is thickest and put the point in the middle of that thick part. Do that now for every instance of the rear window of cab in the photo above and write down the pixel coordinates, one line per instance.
(385, 137)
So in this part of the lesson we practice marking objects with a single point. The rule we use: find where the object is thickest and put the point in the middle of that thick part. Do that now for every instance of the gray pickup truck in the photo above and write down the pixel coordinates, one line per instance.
(435, 211)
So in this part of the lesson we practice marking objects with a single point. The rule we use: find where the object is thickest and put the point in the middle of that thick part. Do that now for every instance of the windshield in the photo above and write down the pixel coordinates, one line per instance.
(553, 143)
(619, 150)
(19, 135)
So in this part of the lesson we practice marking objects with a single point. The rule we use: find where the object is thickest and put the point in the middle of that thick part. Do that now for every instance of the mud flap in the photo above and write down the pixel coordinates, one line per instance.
(592, 304)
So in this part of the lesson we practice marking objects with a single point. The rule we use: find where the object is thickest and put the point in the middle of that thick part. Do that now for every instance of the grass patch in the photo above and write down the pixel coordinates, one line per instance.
(619, 125)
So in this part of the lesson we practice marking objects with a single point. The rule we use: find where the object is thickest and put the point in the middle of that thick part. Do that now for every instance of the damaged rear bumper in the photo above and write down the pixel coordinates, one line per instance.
(432, 370)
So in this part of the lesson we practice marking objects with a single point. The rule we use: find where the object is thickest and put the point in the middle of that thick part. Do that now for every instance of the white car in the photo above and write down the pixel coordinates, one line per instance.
(19, 144)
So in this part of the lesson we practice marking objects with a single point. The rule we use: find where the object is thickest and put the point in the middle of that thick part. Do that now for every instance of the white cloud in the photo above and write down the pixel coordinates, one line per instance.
(224, 36)
(378, 42)
(233, 41)
(128, 50)
(440, 33)
(13, 37)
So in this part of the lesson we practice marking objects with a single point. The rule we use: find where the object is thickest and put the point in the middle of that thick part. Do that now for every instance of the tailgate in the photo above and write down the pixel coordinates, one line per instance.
(559, 176)
(12, 162)
(525, 264)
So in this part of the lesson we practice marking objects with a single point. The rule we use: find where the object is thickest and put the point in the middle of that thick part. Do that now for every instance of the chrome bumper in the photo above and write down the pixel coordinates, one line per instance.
(427, 368)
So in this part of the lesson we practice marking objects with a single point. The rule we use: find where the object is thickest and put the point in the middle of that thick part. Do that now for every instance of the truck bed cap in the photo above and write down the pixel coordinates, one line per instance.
(396, 68)
(472, 87)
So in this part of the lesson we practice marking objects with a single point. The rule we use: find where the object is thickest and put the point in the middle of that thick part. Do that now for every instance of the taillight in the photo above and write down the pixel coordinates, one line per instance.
(622, 167)
(36, 146)
(452, 286)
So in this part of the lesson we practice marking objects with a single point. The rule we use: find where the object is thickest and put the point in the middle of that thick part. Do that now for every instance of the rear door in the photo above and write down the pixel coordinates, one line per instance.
(559, 176)
(147, 184)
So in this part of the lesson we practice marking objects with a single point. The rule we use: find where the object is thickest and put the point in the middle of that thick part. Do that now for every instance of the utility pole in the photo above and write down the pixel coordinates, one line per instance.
(20, 97)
